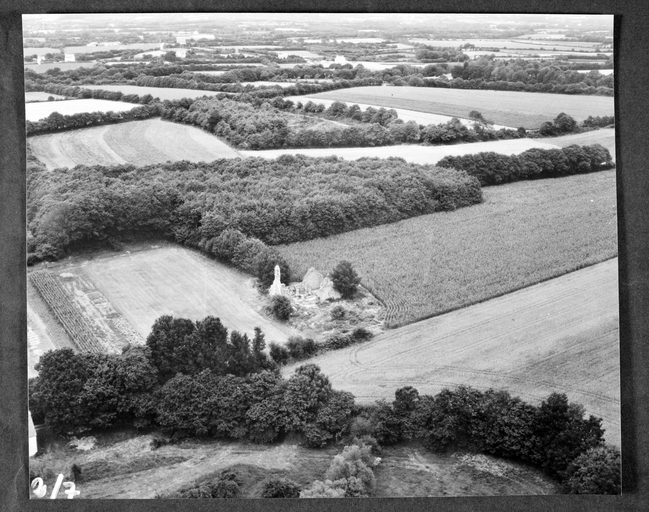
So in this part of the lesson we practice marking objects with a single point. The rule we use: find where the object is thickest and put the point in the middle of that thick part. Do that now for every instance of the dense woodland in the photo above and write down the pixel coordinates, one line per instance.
(194, 379)
(289, 199)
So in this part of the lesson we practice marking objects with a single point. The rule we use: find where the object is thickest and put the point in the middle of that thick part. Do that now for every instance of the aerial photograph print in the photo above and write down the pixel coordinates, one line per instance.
(321, 255)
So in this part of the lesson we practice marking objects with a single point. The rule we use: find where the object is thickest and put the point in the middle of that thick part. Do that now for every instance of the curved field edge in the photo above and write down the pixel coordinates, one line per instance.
(560, 335)
(523, 233)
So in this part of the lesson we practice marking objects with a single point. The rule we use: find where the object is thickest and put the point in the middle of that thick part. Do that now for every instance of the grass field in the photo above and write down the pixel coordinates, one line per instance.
(507, 108)
(560, 335)
(412, 153)
(145, 285)
(164, 93)
(135, 142)
(40, 110)
(521, 234)
(33, 96)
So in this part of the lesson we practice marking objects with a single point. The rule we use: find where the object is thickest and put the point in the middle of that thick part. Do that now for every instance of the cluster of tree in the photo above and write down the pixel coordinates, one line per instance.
(292, 198)
(598, 122)
(532, 75)
(227, 484)
(59, 122)
(350, 475)
(440, 54)
(554, 436)
(74, 91)
(237, 399)
(493, 168)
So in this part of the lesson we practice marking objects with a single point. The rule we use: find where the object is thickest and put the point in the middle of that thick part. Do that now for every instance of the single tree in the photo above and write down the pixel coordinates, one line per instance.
(345, 279)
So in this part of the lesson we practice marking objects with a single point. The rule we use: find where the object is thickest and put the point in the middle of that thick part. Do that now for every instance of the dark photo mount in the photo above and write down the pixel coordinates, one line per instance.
(633, 219)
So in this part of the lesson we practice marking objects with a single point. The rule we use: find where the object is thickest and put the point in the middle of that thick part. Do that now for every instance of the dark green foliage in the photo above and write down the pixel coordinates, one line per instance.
(301, 348)
(493, 168)
(179, 345)
(244, 203)
(265, 263)
(596, 471)
(345, 279)
(280, 307)
(74, 392)
(280, 488)
(279, 353)
(360, 334)
(76, 473)
(225, 485)
(338, 312)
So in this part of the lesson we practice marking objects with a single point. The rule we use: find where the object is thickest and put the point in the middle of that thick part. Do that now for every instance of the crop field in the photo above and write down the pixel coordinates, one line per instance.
(135, 142)
(412, 153)
(560, 335)
(145, 285)
(522, 233)
(40, 110)
(506, 108)
(33, 96)
(164, 93)
(603, 136)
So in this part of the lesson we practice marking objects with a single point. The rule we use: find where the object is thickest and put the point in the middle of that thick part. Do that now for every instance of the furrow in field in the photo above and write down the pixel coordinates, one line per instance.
(559, 335)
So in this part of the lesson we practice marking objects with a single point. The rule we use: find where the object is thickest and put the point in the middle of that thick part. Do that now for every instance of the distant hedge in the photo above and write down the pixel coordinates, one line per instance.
(493, 168)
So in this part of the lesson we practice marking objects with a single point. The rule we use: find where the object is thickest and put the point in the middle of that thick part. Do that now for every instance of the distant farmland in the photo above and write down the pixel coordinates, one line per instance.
(134, 142)
(33, 96)
(40, 110)
(164, 93)
(523, 233)
(507, 108)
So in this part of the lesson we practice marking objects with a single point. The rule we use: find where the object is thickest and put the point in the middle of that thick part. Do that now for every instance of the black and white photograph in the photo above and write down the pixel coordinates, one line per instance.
(321, 255)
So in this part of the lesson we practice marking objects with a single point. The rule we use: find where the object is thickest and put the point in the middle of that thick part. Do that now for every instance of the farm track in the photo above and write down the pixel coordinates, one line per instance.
(559, 335)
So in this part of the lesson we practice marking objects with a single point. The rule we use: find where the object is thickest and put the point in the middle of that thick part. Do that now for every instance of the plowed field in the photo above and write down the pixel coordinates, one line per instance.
(560, 335)
(134, 142)
(507, 108)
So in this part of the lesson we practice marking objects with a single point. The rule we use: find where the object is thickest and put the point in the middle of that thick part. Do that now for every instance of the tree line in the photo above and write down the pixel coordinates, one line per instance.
(493, 168)
(195, 379)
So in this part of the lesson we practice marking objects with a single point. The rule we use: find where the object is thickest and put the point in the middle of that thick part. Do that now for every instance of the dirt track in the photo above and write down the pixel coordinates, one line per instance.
(560, 335)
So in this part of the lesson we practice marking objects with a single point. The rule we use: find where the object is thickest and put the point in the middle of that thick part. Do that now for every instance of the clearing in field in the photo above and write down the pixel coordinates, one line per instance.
(145, 285)
(164, 93)
(560, 335)
(507, 108)
(144, 142)
(37, 111)
(522, 233)
(416, 154)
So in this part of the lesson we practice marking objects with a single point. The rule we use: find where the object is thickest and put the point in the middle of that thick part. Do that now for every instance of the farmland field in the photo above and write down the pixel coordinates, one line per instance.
(505, 343)
(404, 114)
(144, 285)
(164, 93)
(134, 142)
(521, 234)
(33, 96)
(507, 108)
(412, 153)
(40, 110)
(603, 136)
